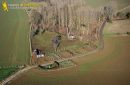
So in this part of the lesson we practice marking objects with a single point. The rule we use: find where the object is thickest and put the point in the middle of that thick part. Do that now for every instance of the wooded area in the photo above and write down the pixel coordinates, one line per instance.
(71, 17)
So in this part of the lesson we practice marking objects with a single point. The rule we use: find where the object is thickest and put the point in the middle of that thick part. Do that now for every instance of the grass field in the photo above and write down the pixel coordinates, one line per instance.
(13, 1)
(120, 26)
(5, 72)
(109, 66)
(97, 3)
(44, 42)
(14, 40)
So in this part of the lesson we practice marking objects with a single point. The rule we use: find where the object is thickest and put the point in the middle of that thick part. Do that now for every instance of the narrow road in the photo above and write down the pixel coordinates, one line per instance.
(17, 74)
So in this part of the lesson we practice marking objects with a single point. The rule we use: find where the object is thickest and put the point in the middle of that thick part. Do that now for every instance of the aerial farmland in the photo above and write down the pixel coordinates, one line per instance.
(64, 42)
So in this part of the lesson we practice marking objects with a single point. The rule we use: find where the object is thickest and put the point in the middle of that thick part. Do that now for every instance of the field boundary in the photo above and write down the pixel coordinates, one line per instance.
(17, 74)
(60, 69)
(123, 9)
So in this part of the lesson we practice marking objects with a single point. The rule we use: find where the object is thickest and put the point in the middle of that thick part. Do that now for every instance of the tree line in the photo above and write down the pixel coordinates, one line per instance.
(70, 17)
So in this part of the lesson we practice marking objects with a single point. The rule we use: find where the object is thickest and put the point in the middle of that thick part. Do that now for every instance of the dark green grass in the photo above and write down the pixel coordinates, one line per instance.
(5, 72)
(14, 42)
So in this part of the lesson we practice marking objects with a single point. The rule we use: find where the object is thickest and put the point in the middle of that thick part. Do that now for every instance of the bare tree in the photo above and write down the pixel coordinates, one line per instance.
(73, 16)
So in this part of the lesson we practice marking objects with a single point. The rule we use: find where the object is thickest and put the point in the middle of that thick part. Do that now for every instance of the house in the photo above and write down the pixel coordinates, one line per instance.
(38, 53)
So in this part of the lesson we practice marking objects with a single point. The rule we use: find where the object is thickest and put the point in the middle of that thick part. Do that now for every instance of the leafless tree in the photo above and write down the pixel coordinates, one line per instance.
(73, 17)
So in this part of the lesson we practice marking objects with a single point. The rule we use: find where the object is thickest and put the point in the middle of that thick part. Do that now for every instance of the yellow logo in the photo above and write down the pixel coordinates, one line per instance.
(5, 6)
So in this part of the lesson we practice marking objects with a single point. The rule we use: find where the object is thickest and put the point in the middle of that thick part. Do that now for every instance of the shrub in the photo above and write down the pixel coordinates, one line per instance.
(128, 33)
(121, 15)
(128, 15)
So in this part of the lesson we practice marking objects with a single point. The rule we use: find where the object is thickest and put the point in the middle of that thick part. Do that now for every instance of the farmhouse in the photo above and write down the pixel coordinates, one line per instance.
(38, 53)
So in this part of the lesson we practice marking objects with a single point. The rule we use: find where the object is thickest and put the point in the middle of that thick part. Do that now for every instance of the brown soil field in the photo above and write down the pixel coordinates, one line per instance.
(110, 66)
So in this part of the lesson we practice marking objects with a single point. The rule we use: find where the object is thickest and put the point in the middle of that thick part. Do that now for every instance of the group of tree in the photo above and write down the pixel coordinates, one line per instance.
(70, 17)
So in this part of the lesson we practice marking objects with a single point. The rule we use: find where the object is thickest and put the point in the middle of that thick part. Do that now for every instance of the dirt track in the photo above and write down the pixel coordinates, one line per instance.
(111, 66)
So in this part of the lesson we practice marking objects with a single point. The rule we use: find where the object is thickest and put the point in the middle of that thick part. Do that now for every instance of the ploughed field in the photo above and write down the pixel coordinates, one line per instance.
(109, 66)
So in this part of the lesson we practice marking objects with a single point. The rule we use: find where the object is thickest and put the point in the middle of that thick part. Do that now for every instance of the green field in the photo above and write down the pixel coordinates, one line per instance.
(14, 39)
(44, 42)
(14, 1)
(98, 3)
(5, 72)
